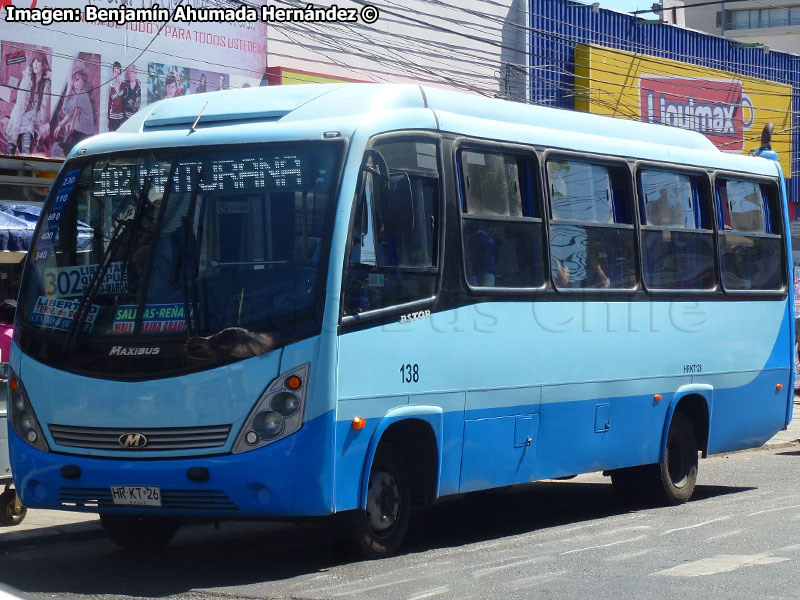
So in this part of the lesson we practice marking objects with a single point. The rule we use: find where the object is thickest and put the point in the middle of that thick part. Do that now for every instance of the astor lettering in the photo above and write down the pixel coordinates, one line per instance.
(422, 314)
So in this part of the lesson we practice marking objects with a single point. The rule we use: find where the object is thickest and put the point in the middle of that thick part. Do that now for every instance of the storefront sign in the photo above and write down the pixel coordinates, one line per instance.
(730, 110)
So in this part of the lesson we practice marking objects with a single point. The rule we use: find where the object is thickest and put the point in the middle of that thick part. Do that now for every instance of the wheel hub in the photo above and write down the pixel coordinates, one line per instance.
(383, 501)
(17, 507)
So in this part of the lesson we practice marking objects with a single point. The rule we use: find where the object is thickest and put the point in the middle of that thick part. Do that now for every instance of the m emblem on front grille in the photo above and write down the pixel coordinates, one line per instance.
(132, 440)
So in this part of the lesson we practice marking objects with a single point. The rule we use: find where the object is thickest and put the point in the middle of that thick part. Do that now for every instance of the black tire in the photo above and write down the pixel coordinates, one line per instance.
(669, 482)
(676, 475)
(139, 533)
(11, 511)
(379, 530)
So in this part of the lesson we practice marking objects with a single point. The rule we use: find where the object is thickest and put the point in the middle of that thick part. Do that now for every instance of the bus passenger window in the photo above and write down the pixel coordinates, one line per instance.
(393, 243)
(501, 225)
(677, 237)
(592, 237)
(750, 235)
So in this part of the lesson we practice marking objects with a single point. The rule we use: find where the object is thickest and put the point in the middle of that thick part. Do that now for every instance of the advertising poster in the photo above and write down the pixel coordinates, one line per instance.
(76, 113)
(25, 98)
(203, 80)
(100, 73)
(730, 110)
(166, 81)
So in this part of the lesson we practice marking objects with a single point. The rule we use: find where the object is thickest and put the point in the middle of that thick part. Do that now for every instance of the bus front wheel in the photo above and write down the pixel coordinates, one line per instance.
(139, 533)
(11, 509)
(380, 528)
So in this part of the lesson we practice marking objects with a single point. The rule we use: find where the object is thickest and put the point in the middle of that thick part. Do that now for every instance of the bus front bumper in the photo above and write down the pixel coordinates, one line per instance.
(290, 478)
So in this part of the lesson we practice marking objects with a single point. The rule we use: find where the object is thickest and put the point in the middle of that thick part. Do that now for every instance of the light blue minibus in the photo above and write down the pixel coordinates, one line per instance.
(359, 299)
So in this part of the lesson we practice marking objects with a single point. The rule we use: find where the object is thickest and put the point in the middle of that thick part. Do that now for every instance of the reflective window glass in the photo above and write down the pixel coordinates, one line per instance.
(580, 191)
(742, 204)
(592, 256)
(751, 246)
(668, 200)
(503, 238)
(491, 183)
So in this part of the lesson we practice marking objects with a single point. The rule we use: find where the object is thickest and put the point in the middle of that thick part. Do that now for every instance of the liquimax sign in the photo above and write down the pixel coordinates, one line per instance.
(730, 110)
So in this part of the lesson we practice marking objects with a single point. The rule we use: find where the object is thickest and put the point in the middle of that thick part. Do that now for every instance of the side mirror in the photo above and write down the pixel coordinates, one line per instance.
(766, 137)
(399, 204)
(393, 198)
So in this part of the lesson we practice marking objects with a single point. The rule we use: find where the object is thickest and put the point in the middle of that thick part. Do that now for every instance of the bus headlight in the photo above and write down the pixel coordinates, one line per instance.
(268, 424)
(277, 413)
(285, 404)
(21, 415)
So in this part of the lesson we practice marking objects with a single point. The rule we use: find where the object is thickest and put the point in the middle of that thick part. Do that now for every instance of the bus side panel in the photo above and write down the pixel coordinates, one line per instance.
(603, 432)
(500, 438)
(746, 416)
(749, 407)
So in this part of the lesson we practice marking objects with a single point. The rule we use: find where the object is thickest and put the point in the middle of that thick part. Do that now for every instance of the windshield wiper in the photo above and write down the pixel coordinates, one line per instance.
(94, 286)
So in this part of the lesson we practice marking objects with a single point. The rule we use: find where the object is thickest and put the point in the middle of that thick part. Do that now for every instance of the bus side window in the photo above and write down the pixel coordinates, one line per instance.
(677, 231)
(394, 238)
(501, 224)
(592, 237)
(751, 247)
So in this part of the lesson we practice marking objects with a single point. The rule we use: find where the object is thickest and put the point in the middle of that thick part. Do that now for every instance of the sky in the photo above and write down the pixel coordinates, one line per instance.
(624, 5)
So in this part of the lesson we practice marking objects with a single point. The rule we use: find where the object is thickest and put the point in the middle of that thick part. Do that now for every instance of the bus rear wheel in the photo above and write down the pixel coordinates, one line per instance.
(669, 482)
(676, 475)
(379, 530)
(139, 533)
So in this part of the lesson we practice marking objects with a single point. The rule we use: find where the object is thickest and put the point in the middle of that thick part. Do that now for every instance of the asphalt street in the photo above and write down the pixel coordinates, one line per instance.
(738, 538)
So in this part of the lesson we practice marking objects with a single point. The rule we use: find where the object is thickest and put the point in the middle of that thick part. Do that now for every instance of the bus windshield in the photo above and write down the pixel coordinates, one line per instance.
(185, 243)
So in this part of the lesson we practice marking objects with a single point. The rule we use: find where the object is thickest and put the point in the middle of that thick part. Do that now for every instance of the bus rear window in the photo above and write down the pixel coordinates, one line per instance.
(750, 235)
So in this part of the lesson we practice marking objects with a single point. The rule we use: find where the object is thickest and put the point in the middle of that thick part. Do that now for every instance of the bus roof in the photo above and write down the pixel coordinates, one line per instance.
(348, 99)
(308, 110)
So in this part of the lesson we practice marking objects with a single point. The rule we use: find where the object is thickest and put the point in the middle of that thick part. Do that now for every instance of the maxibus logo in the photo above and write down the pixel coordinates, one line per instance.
(717, 108)
(132, 351)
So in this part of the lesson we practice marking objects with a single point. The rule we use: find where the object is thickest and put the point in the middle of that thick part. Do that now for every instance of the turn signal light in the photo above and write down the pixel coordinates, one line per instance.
(779, 387)
(293, 382)
(13, 385)
(657, 397)
(359, 423)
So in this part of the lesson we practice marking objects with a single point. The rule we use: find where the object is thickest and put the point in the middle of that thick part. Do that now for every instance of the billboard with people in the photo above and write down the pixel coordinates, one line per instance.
(66, 88)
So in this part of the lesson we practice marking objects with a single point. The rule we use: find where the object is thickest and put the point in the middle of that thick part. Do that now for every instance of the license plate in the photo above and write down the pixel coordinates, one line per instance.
(136, 495)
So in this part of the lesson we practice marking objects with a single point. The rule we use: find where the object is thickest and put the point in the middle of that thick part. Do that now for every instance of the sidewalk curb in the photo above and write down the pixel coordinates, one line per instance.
(778, 445)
